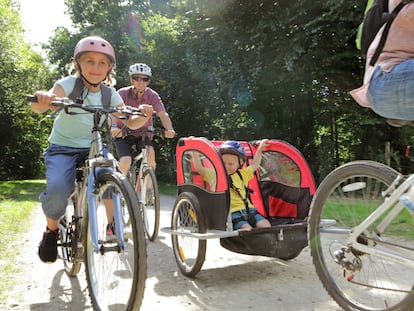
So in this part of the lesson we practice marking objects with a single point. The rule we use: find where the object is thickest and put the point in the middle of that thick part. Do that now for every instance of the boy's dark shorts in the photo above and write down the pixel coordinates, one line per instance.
(126, 146)
(240, 214)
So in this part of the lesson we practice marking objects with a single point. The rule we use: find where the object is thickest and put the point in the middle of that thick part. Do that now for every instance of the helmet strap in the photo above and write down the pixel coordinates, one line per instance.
(90, 83)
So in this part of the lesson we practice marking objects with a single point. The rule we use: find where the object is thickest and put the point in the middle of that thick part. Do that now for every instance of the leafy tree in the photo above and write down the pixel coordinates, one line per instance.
(21, 71)
(236, 69)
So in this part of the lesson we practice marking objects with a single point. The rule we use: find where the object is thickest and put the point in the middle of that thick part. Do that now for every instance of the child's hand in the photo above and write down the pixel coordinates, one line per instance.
(44, 100)
(258, 156)
(264, 143)
(194, 154)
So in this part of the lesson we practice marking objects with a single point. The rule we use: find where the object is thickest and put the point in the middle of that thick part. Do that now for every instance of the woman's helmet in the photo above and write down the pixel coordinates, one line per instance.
(94, 44)
(233, 147)
(140, 69)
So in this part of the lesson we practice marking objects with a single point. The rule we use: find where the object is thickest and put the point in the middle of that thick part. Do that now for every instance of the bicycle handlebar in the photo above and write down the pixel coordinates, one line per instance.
(66, 103)
(154, 131)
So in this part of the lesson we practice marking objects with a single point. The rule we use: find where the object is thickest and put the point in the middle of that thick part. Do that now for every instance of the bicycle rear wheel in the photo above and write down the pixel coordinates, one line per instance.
(150, 203)
(70, 234)
(356, 280)
(116, 276)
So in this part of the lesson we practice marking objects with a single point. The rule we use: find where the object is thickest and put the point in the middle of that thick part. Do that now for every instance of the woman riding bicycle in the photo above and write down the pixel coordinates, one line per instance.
(71, 136)
(136, 94)
(388, 87)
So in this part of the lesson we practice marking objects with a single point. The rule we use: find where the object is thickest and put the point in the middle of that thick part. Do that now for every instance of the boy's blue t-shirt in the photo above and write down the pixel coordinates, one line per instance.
(76, 130)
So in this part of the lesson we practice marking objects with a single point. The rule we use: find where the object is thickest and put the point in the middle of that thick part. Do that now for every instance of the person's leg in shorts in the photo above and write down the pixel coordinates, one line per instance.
(391, 93)
(124, 152)
(261, 222)
(60, 162)
(240, 222)
(150, 153)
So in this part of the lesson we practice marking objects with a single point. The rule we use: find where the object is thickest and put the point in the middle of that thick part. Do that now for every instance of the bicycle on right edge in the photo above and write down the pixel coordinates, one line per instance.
(362, 238)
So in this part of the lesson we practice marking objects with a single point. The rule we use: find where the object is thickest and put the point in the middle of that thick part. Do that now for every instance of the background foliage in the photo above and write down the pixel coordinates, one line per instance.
(225, 69)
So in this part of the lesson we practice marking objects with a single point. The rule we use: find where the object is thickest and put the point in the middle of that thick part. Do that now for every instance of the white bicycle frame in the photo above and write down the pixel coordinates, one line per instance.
(396, 253)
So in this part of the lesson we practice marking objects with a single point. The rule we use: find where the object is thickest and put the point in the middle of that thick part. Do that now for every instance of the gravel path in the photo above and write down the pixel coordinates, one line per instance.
(227, 281)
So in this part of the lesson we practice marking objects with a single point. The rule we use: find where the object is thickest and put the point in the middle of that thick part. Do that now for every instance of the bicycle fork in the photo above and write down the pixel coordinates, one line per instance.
(92, 210)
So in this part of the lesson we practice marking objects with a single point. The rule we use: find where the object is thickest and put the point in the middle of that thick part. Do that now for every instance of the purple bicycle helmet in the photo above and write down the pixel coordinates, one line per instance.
(233, 147)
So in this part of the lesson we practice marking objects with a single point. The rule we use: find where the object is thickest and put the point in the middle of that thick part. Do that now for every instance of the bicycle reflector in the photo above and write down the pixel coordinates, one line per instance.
(409, 152)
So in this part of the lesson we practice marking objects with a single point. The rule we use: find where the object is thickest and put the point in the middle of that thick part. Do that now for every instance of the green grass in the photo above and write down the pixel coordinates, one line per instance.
(17, 201)
(354, 211)
(168, 189)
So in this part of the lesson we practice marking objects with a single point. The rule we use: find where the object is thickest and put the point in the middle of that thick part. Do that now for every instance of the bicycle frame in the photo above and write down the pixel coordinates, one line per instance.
(142, 158)
(97, 163)
(143, 179)
(391, 205)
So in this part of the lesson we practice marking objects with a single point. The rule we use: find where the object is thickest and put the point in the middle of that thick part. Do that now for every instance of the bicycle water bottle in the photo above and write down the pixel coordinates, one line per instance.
(408, 199)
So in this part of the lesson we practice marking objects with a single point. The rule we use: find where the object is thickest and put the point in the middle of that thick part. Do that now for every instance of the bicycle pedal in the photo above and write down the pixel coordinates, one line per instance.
(111, 239)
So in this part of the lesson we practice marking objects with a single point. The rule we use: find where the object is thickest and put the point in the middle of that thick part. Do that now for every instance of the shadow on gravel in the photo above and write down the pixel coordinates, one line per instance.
(63, 297)
(223, 286)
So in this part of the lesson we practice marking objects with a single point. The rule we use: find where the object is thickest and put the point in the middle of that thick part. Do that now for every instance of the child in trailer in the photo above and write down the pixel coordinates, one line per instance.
(243, 214)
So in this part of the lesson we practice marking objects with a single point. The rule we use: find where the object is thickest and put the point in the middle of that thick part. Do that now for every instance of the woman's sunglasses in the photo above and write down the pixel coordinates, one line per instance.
(140, 79)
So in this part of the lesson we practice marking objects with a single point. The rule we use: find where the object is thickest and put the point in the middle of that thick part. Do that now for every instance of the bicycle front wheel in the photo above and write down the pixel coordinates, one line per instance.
(116, 273)
(150, 203)
(354, 279)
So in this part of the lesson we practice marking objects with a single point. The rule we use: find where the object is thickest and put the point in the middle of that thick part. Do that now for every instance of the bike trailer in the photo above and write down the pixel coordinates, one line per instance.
(281, 191)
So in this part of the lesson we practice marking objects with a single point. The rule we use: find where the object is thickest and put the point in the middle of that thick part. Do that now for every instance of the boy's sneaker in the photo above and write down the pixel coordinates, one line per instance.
(48, 246)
